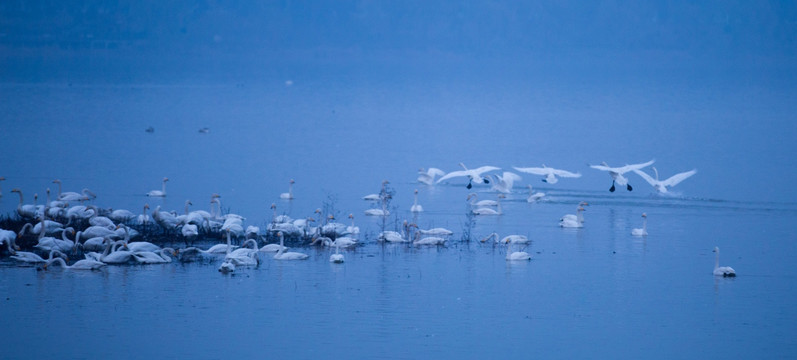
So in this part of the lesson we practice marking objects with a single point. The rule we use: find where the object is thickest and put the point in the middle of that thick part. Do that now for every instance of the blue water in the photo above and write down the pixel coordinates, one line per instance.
(353, 117)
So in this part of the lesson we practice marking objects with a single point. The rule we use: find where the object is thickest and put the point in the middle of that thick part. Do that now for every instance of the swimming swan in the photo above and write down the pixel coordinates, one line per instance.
(517, 255)
(724, 271)
(415, 206)
(281, 255)
(644, 230)
(159, 193)
(288, 195)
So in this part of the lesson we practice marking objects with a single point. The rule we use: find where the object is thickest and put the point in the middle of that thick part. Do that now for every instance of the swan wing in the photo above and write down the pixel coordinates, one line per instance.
(485, 169)
(565, 173)
(677, 178)
(627, 168)
(453, 174)
(645, 176)
(602, 168)
(511, 177)
(533, 170)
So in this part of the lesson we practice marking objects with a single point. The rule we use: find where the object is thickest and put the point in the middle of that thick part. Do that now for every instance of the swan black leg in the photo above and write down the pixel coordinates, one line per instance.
(611, 189)
(486, 181)
(628, 186)
(469, 185)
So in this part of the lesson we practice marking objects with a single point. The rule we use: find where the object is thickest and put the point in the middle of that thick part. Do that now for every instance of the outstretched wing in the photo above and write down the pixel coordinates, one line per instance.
(677, 178)
(533, 170)
(602, 167)
(645, 176)
(485, 169)
(452, 174)
(628, 168)
(564, 173)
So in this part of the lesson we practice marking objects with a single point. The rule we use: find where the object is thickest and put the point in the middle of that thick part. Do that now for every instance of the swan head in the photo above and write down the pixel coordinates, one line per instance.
(273, 206)
(351, 216)
(16, 190)
(56, 181)
(292, 181)
(644, 215)
(581, 209)
(146, 206)
(2, 178)
(317, 211)
(165, 179)
(716, 249)
(416, 191)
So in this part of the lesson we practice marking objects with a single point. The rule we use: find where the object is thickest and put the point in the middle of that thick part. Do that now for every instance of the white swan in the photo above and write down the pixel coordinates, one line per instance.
(114, 256)
(352, 230)
(31, 258)
(282, 255)
(288, 195)
(378, 197)
(190, 232)
(396, 237)
(517, 255)
(617, 173)
(427, 176)
(724, 271)
(534, 196)
(513, 239)
(337, 257)
(573, 221)
(549, 173)
(377, 212)
(481, 203)
(490, 211)
(415, 206)
(429, 240)
(159, 193)
(437, 232)
(227, 267)
(85, 264)
(9, 238)
(644, 230)
(504, 183)
(25, 211)
(151, 257)
(84, 195)
(51, 243)
(662, 185)
(473, 175)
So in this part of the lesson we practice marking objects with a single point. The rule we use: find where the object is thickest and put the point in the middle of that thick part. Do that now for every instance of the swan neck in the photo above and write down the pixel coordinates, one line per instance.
(717, 260)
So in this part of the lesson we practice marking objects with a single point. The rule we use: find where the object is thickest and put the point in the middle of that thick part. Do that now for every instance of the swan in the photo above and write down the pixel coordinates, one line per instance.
(415, 206)
(8, 237)
(337, 257)
(549, 173)
(572, 217)
(227, 267)
(164, 219)
(353, 230)
(427, 176)
(517, 255)
(573, 221)
(504, 183)
(724, 271)
(377, 212)
(429, 240)
(534, 196)
(474, 175)
(97, 220)
(437, 232)
(143, 219)
(282, 255)
(31, 258)
(378, 197)
(122, 215)
(84, 195)
(85, 264)
(113, 256)
(662, 185)
(96, 243)
(51, 243)
(396, 237)
(644, 230)
(137, 246)
(288, 195)
(25, 211)
(159, 193)
(272, 248)
(490, 211)
(251, 232)
(190, 232)
(150, 257)
(513, 239)
(617, 173)
(481, 203)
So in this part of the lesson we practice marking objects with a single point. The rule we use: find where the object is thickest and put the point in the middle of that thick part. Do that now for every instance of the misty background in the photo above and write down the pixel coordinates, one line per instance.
(341, 95)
